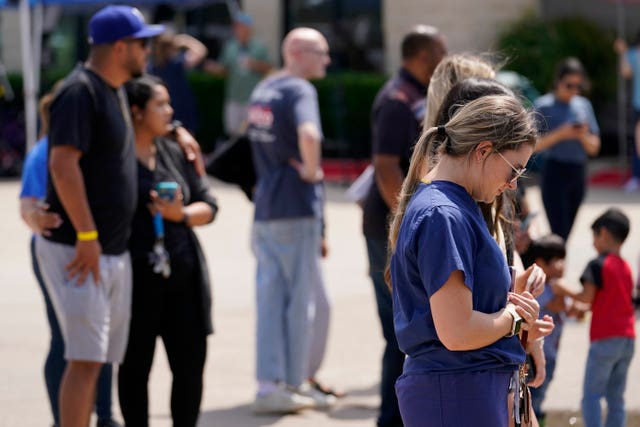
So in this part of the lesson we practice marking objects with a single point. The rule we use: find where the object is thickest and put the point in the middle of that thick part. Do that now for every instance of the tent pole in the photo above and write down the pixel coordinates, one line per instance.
(38, 23)
(29, 90)
(622, 102)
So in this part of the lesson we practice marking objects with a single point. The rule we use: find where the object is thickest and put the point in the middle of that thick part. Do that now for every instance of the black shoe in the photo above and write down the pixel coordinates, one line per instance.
(108, 423)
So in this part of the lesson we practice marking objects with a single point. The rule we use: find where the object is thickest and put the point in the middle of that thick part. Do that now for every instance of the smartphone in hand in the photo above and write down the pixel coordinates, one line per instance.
(537, 271)
(167, 190)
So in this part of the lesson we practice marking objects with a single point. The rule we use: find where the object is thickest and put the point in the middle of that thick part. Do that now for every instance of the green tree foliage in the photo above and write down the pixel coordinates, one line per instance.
(534, 47)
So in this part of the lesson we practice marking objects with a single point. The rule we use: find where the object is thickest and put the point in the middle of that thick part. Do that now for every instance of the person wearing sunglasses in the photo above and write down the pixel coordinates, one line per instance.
(500, 216)
(85, 261)
(454, 316)
(569, 136)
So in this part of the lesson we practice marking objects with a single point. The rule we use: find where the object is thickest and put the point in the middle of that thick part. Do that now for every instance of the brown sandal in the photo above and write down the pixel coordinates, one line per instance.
(324, 389)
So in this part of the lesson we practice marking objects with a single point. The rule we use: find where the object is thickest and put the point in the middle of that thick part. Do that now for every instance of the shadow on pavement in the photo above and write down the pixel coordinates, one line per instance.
(241, 415)
(356, 405)
(371, 390)
(352, 412)
(236, 416)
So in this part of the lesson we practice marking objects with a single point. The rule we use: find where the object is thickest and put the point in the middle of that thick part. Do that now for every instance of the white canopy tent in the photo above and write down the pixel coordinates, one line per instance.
(31, 26)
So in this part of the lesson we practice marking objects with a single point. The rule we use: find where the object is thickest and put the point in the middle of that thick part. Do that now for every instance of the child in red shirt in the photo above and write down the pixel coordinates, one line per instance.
(608, 287)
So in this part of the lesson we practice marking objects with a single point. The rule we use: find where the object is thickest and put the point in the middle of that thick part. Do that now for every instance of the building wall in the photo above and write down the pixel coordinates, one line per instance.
(468, 26)
(267, 17)
(10, 39)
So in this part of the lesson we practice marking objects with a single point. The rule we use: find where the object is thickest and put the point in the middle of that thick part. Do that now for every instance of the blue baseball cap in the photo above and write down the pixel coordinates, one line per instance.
(114, 23)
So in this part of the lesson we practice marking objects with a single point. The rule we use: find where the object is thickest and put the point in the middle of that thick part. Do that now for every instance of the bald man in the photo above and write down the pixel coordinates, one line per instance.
(285, 134)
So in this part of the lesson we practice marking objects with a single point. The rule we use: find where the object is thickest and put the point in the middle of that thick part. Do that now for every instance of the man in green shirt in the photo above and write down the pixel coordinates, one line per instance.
(244, 61)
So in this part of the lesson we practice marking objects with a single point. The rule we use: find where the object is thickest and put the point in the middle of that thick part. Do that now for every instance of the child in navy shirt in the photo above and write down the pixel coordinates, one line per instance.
(549, 252)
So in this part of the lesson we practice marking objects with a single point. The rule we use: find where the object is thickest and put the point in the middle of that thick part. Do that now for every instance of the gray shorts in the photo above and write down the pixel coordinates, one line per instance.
(94, 319)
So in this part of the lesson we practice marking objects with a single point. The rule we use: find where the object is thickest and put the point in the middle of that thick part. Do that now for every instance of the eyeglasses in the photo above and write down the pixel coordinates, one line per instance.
(515, 172)
(318, 52)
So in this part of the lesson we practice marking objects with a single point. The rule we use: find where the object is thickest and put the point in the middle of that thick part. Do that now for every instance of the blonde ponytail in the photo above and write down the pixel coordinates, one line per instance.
(417, 168)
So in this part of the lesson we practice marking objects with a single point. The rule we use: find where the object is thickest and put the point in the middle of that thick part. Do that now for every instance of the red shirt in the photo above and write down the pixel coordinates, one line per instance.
(612, 306)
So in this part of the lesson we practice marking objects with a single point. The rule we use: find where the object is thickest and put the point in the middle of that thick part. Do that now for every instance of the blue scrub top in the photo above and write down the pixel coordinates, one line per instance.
(443, 231)
(34, 171)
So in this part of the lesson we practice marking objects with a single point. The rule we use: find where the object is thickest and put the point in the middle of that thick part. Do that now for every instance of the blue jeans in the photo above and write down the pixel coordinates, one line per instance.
(606, 376)
(55, 364)
(288, 260)
(393, 358)
(320, 328)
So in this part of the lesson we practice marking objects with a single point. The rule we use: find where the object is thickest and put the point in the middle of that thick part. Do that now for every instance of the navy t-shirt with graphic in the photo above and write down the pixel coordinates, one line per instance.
(443, 231)
(278, 105)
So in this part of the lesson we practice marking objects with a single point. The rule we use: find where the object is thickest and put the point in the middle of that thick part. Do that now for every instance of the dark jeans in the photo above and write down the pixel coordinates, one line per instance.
(55, 364)
(563, 189)
(393, 358)
(635, 156)
(167, 308)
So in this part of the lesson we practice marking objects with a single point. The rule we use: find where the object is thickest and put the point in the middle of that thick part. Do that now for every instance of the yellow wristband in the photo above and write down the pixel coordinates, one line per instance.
(85, 236)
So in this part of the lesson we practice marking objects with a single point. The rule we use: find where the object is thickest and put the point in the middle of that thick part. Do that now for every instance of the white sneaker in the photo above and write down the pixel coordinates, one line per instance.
(281, 401)
(321, 400)
(632, 185)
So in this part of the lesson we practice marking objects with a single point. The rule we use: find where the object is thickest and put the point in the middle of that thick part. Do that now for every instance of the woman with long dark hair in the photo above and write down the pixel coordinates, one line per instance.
(171, 291)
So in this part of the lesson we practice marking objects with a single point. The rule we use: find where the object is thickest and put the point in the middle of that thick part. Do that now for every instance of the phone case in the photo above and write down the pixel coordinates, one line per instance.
(167, 190)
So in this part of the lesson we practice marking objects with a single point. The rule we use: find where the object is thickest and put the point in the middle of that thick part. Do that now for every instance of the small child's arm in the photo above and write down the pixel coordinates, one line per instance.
(587, 294)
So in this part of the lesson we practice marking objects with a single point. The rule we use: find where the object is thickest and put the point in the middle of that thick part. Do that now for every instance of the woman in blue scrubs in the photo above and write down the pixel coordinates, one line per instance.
(454, 316)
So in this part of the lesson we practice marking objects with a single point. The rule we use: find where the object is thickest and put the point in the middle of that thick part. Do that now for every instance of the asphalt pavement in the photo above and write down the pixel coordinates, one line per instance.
(352, 362)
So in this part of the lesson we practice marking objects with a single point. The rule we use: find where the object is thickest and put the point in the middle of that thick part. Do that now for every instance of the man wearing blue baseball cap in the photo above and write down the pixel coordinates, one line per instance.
(115, 23)
(92, 166)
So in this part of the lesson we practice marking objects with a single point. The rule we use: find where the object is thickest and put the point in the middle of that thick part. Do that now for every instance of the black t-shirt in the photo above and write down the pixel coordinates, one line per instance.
(396, 120)
(93, 117)
(171, 165)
